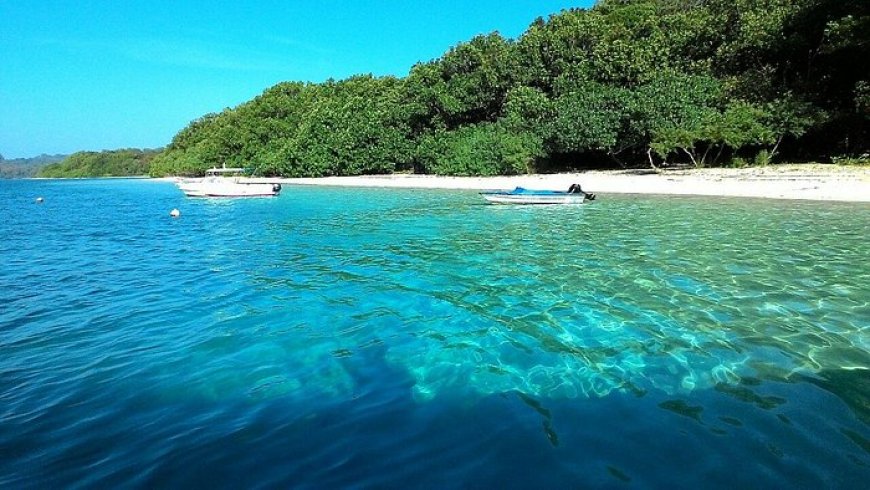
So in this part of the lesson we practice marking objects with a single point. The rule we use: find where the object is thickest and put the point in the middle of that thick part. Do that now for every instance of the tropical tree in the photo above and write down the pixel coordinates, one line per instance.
(633, 81)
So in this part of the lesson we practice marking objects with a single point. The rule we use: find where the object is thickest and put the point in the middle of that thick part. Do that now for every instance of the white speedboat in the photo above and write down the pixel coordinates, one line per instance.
(226, 182)
(521, 195)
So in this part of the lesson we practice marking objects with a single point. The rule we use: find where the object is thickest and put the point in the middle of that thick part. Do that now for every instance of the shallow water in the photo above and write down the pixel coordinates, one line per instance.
(333, 337)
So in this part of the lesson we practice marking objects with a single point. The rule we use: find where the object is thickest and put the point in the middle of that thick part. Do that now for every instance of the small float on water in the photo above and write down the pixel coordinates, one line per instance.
(521, 195)
(226, 182)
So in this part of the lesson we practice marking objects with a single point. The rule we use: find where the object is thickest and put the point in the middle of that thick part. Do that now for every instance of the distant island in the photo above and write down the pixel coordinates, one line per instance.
(23, 168)
(108, 163)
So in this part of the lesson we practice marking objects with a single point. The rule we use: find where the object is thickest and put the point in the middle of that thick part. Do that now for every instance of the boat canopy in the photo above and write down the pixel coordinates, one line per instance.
(224, 170)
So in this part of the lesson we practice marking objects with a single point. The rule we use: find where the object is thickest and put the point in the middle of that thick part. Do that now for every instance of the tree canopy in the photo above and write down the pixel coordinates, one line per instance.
(114, 163)
(625, 83)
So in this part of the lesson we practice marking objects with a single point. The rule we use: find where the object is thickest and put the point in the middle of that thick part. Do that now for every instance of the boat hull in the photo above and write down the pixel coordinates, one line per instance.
(528, 198)
(228, 189)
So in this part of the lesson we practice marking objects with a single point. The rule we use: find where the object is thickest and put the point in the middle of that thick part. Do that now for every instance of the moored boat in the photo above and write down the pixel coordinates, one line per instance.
(520, 195)
(226, 182)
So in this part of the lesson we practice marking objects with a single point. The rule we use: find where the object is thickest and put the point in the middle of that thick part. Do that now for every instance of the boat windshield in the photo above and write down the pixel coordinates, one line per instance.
(226, 172)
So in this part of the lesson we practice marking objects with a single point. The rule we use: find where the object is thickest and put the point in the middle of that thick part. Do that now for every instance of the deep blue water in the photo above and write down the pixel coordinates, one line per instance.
(399, 338)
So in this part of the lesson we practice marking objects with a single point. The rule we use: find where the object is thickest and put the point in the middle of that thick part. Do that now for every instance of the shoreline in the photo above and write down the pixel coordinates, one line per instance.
(815, 182)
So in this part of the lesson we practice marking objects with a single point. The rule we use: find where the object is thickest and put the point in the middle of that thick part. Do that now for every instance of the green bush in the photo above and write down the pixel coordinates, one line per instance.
(762, 158)
(487, 149)
(737, 162)
(863, 159)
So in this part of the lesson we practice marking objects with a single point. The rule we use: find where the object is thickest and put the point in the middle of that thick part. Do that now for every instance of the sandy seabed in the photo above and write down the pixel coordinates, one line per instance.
(806, 181)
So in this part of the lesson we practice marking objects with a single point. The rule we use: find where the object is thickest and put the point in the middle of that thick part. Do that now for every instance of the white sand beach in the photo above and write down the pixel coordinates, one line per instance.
(805, 181)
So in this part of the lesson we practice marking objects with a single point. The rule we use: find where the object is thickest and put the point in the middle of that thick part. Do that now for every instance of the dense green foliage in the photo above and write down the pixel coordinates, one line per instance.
(628, 83)
(22, 168)
(115, 163)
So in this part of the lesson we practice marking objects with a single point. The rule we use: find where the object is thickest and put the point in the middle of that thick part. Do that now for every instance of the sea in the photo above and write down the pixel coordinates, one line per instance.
(398, 338)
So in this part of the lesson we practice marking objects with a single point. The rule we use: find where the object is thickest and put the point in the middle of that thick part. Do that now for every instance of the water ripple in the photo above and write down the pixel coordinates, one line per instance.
(369, 338)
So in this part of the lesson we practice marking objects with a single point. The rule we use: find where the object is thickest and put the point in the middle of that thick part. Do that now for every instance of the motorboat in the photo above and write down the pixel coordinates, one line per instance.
(226, 182)
(520, 195)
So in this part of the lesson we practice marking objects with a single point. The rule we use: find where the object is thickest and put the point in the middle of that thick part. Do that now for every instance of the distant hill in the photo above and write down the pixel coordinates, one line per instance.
(110, 163)
(21, 168)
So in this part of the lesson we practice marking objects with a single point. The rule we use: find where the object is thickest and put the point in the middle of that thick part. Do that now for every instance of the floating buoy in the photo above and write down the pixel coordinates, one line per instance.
(39, 200)
(175, 213)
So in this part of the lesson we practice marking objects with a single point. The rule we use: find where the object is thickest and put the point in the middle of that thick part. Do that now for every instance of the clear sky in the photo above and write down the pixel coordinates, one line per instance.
(94, 75)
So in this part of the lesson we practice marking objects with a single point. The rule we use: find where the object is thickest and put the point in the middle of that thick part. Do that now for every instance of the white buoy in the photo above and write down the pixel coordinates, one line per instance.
(175, 213)
(39, 200)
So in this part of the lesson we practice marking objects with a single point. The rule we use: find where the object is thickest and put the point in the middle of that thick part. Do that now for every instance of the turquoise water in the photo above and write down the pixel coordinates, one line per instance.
(396, 338)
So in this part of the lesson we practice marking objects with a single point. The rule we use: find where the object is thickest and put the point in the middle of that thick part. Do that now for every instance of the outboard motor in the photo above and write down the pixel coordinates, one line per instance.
(576, 189)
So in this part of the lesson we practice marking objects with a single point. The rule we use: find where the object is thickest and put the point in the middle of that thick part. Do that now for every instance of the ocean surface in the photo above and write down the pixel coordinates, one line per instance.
(423, 339)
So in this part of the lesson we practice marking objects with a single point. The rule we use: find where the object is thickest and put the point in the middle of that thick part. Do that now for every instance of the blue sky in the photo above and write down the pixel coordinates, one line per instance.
(94, 75)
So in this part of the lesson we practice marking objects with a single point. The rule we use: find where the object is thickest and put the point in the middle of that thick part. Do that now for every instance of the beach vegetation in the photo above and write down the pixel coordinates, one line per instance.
(850, 160)
(627, 83)
(762, 158)
(481, 149)
(112, 163)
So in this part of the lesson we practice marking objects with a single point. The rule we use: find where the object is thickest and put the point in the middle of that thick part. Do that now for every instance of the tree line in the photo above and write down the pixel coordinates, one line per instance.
(626, 83)
(112, 163)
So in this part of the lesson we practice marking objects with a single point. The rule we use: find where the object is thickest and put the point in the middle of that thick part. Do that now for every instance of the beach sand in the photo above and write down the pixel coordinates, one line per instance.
(805, 181)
